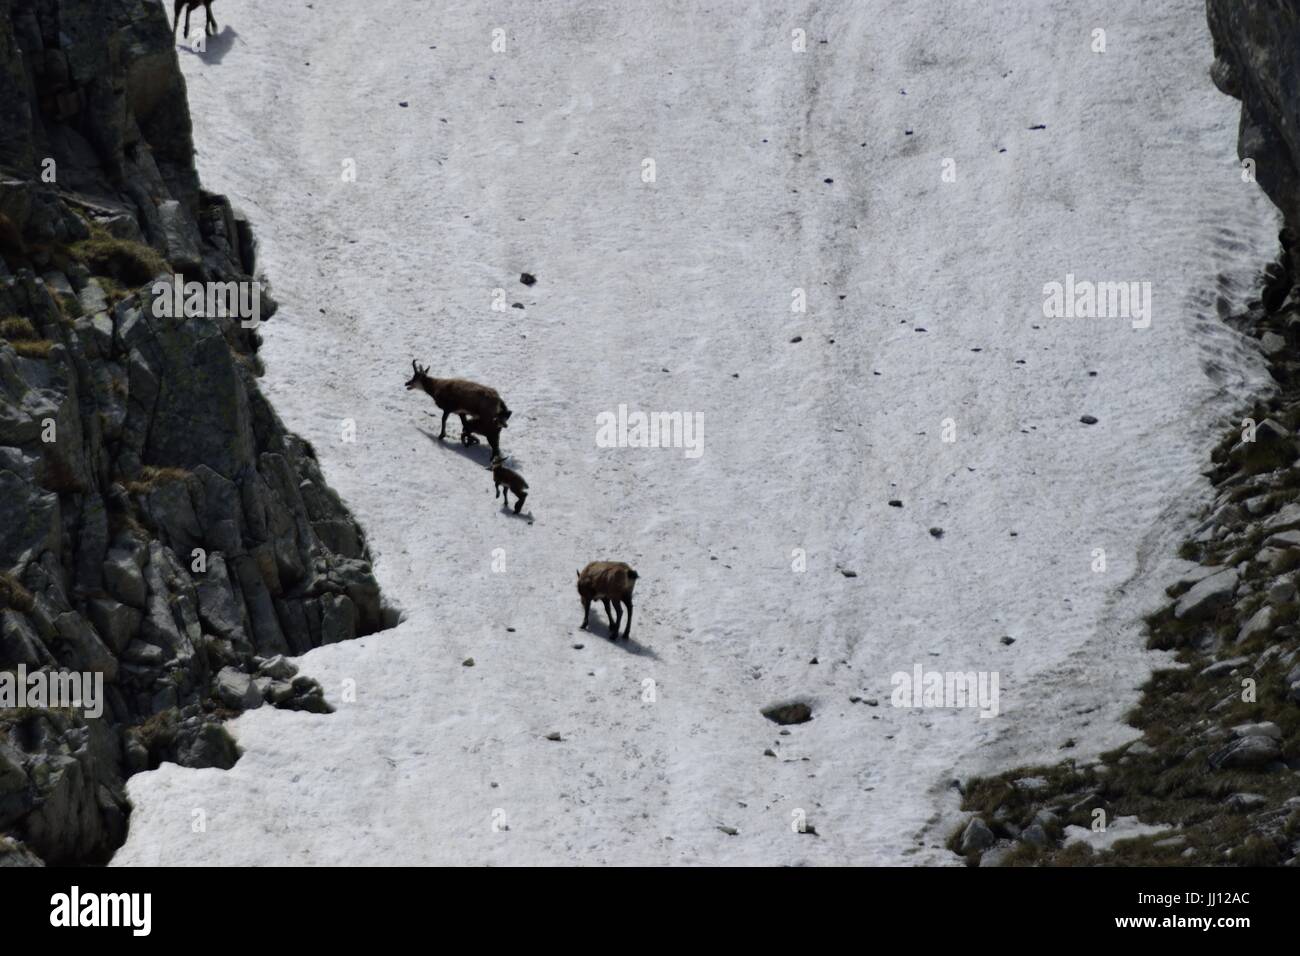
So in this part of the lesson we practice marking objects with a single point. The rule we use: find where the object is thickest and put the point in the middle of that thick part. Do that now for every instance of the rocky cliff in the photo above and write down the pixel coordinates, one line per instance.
(158, 524)
(1257, 60)
(1213, 778)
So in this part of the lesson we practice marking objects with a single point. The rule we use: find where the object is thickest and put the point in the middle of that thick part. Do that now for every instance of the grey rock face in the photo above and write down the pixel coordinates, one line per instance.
(1257, 60)
(161, 523)
(124, 576)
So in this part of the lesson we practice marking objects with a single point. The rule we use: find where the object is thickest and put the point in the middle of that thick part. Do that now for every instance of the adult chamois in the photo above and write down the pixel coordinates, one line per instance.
(608, 581)
(462, 397)
(210, 28)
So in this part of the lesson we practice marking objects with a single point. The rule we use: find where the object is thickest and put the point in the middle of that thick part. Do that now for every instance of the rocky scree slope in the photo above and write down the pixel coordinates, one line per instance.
(173, 536)
(1217, 768)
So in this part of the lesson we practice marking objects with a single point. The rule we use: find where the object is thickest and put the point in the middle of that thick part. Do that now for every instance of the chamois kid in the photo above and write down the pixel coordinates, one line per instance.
(189, 6)
(608, 581)
(507, 481)
(463, 397)
(490, 430)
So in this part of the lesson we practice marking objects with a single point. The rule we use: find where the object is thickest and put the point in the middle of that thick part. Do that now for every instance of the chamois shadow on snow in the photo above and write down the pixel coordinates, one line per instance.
(480, 454)
(599, 627)
(216, 47)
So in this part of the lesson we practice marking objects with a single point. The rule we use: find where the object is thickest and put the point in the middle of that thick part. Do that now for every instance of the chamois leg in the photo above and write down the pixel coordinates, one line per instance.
(498, 494)
(212, 21)
(586, 611)
(628, 601)
(519, 501)
(505, 497)
(608, 616)
(187, 23)
(618, 617)
(443, 434)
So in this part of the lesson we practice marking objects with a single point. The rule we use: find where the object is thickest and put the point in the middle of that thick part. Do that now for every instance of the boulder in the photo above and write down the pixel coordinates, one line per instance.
(1247, 753)
(1261, 622)
(1207, 596)
(976, 837)
(236, 689)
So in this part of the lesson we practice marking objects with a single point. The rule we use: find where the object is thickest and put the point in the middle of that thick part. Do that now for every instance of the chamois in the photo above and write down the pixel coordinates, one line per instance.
(210, 28)
(460, 396)
(507, 481)
(474, 425)
(609, 581)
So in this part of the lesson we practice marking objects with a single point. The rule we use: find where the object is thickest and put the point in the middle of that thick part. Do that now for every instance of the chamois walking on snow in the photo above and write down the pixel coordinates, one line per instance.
(608, 581)
(462, 397)
(507, 481)
(191, 5)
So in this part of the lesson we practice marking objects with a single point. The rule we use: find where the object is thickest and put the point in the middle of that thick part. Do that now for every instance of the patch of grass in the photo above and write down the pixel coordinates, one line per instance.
(15, 328)
(40, 349)
(158, 731)
(150, 477)
(131, 263)
(123, 522)
(14, 595)
(114, 291)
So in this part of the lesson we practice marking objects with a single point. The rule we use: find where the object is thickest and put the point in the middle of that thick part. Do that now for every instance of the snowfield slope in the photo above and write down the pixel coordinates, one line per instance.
(775, 170)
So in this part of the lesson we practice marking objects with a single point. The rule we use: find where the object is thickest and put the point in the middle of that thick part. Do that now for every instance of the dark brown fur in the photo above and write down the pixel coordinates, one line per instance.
(608, 581)
(210, 27)
(507, 481)
(472, 426)
(463, 397)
